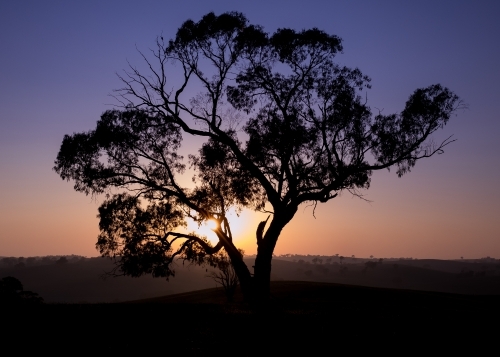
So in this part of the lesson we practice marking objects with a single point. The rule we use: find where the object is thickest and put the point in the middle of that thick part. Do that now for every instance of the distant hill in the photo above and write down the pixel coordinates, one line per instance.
(81, 281)
(449, 276)
(75, 279)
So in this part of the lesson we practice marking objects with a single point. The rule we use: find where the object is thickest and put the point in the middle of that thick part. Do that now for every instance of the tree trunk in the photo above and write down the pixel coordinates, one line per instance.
(262, 274)
(244, 277)
(256, 289)
(265, 249)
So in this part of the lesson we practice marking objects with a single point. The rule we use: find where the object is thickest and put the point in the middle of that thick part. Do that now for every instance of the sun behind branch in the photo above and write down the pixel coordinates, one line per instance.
(212, 224)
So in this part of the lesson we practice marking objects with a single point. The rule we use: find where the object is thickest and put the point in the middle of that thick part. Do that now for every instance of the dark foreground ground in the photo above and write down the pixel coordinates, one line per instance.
(302, 317)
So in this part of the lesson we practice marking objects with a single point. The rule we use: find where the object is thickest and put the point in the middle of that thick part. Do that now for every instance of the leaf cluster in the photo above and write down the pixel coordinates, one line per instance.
(127, 148)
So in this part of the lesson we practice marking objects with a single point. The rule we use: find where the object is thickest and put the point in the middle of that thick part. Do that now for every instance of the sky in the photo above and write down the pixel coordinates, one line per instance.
(58, 66)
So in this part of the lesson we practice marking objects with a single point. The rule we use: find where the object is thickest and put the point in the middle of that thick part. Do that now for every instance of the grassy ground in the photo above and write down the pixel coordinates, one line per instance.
(301, 317)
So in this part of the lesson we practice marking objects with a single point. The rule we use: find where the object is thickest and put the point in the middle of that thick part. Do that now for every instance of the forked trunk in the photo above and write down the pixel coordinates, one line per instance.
(262, 268)
(265, 249)
(254, 288)
(257, 288)
(244, 277)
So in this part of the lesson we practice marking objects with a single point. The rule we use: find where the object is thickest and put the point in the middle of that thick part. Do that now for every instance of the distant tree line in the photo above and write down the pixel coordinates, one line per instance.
(21, 262)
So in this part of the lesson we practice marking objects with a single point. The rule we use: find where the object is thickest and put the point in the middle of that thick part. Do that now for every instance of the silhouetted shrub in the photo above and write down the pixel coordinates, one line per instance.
(62, 260)
(12, 292)
(225, 274)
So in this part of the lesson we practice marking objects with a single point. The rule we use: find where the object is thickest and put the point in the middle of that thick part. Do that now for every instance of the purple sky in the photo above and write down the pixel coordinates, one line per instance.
(58, 65)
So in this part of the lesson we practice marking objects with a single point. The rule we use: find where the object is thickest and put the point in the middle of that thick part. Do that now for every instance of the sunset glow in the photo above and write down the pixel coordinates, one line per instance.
(446, 207)
(212, 224)
(242, 228)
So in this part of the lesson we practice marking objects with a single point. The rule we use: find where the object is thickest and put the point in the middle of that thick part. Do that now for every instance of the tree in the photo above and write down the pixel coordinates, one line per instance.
(283, 125)
(224, 274)
(12, 292)
(62, 260)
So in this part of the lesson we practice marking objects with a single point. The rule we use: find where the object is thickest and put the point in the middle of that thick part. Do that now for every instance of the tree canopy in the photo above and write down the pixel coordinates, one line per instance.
(283, 124)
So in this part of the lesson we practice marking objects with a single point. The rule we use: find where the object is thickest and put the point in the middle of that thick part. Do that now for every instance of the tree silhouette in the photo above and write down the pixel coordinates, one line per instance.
(12, 292)
(283, 125)
(62, 260)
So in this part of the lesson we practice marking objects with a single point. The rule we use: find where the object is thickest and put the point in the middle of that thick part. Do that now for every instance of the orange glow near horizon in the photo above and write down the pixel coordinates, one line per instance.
(415, 216)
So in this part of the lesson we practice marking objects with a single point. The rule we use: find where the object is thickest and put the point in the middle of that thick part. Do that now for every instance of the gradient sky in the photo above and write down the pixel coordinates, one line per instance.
(58, 65)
